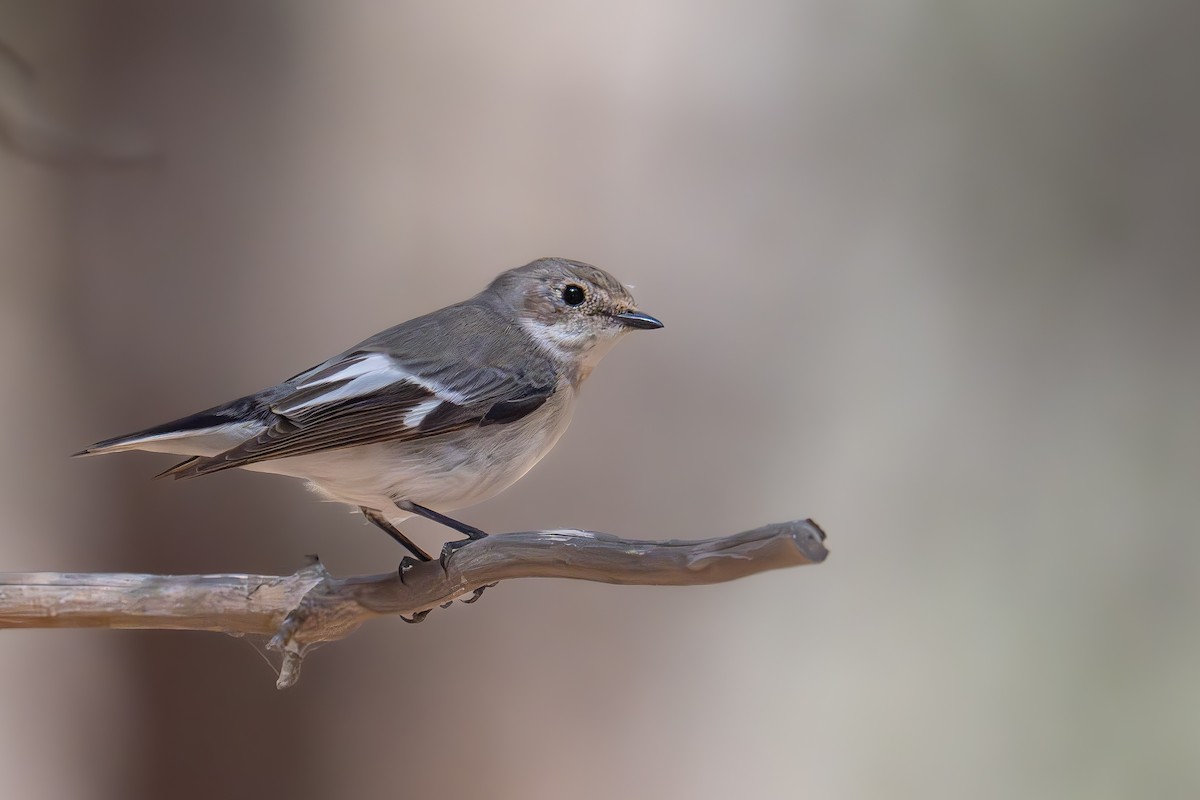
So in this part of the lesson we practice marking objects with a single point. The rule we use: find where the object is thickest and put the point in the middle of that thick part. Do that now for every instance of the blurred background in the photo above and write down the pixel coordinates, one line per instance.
(929, 275)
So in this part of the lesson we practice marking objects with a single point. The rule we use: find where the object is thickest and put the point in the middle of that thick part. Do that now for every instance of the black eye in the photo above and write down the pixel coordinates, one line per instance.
(573, 295)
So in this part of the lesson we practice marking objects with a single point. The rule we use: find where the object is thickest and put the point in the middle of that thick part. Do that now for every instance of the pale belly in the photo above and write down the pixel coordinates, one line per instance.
(442, 473)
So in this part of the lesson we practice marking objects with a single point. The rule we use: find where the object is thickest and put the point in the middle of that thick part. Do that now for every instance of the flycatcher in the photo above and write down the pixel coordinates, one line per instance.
(437, 413)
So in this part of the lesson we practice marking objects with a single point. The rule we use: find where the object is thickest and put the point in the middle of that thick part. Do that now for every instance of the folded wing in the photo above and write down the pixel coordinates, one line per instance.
(364, 397)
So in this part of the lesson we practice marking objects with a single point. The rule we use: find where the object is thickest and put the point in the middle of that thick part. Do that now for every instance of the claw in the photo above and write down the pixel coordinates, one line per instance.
(449, 548)
(478, 593)
(417, 617)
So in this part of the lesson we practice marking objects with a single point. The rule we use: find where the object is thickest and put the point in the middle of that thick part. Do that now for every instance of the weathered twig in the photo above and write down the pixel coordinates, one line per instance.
(312, 606)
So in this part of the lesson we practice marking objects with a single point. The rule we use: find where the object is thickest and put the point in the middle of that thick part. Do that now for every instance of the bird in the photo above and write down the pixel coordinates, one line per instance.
(432, 415)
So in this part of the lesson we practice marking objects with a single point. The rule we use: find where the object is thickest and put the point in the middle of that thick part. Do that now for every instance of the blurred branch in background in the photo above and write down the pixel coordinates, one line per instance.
(28, 129)
(311, 606)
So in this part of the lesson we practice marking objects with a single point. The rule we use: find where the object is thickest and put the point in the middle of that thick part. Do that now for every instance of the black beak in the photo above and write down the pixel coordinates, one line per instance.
(636, 319)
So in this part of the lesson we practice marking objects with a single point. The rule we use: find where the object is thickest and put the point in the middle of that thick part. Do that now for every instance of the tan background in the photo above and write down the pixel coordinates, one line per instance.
(929, 274)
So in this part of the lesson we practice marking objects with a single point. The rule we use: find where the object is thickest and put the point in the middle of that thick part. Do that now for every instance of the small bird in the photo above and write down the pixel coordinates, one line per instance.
(434, 414)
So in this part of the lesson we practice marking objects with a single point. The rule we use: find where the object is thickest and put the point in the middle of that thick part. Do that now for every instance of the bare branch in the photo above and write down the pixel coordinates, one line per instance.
(312, 606)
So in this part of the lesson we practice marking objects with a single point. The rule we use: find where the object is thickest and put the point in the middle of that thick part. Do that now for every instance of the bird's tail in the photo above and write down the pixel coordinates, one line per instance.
(202, 434)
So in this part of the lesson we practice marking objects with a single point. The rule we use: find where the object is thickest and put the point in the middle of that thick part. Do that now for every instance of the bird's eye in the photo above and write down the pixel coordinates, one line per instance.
(573, 295)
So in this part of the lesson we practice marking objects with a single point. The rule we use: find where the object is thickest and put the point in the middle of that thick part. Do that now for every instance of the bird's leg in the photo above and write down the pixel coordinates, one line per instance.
(471, 532)
(391, 530)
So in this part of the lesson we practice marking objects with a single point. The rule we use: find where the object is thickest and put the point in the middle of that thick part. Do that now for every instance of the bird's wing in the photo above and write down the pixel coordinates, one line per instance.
(366, 396)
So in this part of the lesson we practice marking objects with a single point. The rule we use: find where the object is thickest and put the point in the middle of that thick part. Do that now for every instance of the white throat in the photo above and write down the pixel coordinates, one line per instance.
(583, 351)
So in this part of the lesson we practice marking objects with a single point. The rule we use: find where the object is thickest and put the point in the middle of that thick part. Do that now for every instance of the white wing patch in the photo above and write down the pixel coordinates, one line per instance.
(420, 411)
(366, 374)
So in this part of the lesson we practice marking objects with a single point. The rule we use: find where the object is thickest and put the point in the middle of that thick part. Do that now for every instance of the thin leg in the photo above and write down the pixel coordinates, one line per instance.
(470, 531)
(391, 530)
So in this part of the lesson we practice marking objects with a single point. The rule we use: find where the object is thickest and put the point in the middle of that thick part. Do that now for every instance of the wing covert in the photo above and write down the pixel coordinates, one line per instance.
(365, 397)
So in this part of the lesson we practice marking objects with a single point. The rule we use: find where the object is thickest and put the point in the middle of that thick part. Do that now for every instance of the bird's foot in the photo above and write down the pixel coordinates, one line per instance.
(407, 563)
(449, 549)
(478, 593)
(417, 617)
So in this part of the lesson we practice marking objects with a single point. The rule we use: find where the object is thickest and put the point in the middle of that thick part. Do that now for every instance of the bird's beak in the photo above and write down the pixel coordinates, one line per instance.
(636, 319)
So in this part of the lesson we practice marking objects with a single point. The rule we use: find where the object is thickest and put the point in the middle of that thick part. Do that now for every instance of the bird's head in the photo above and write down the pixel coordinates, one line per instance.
(572, 309)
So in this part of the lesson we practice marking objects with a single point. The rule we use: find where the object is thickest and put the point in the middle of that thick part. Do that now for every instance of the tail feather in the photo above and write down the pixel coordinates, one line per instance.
(202, 434)
(181, 470)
